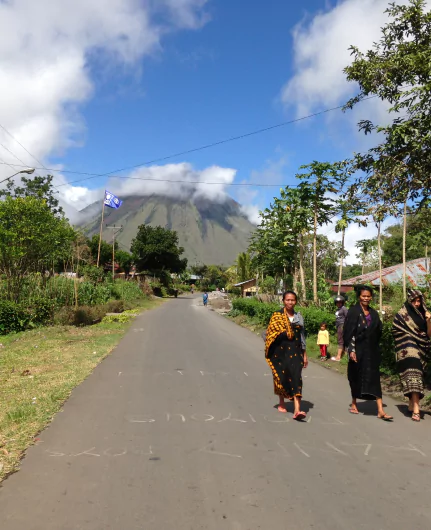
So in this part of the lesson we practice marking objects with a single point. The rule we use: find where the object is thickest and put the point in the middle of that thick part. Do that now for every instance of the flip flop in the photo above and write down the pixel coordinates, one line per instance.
(353, 411)
(299, 416)
(386, 417)
(416, 416)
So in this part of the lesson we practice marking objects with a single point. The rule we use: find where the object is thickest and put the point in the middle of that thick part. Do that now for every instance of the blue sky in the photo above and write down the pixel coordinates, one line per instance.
(97, 85)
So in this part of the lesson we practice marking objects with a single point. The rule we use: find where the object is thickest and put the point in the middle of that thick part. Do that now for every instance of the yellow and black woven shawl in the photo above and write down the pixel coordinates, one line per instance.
(278, 324)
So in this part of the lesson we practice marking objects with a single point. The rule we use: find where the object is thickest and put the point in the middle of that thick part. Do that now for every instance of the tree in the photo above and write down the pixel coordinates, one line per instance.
(124, 260)
(327, 179)
(105, 250)
(398, 71)
(32, 239)
(367, 249)
(38, 187)
(243, 265)
(156, 249)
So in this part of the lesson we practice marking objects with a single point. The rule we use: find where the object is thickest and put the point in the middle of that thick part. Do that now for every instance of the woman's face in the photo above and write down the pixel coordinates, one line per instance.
(289, 302)
(417, 302)
(365, 298)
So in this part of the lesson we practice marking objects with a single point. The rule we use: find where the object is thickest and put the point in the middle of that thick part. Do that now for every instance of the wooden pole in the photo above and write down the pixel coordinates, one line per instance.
(404, 251)
(315, 258)
(113, 255)
(380, 268)
(340, 274)
(101, 229)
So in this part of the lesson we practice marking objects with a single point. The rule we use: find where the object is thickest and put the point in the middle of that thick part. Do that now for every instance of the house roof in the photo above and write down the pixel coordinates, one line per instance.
(246, 281)
(416, 271)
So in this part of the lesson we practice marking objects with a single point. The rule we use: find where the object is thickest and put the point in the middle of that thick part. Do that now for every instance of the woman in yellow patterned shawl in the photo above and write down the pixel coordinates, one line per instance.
(285, 352)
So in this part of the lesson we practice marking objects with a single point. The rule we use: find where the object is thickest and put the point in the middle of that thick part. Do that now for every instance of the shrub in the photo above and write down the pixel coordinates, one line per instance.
(41, 311)
(64, 316)
(91, 294)
(13, 317)
(115, 306)
(125, 317)
(88, 315)
(127, 290)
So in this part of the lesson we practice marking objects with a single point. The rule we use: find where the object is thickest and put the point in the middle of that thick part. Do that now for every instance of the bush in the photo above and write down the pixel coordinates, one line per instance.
(89, 315)
(41, 311)
(388, 365)
(127, 290)
(91, 294)
(115, 306)
(125, 317)
(64, 316)
(13, 317)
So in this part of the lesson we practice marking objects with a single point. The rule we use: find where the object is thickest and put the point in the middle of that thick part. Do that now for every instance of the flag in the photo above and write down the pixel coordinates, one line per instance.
(111, 200)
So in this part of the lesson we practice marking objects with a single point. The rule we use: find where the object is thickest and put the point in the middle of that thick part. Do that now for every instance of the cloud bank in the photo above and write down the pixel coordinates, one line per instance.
(48, 53)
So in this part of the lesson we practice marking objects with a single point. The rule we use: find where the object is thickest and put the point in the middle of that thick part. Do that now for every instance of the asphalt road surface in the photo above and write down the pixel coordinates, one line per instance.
(177, 430)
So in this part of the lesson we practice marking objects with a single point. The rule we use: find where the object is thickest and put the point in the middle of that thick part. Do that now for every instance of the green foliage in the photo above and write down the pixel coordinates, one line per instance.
(13, 317)
(125, 317)
(92, 273)
(105, 250)
(156, 249)
(268, 285)
(127, 290)
(91, 294)
(124, 260)
(388, 365)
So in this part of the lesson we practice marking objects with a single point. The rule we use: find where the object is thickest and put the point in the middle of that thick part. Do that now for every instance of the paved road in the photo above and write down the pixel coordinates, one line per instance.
(176, 430)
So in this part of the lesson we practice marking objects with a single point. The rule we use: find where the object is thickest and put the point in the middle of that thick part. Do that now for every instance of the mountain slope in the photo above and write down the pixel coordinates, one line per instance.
(210, 232)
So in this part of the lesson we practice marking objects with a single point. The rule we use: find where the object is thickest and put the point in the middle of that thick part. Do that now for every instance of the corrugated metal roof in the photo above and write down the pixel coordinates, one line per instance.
(246, 281)
(416, 271)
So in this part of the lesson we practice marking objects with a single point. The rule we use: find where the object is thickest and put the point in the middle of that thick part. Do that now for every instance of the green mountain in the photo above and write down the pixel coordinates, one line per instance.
(210, 232)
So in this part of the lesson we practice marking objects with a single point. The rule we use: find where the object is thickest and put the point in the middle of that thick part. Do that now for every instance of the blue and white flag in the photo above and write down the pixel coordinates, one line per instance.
(111, 200)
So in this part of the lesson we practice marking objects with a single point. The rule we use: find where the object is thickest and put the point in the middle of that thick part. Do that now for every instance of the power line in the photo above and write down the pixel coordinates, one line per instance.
(14, 155)
(189, 151)
(20, 144)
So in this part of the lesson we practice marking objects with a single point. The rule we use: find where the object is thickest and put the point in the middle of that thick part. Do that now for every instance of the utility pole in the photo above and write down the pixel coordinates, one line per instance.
(115, 230)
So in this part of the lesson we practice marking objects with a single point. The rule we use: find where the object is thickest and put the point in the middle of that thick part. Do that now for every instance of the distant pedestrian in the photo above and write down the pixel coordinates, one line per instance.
(205, 298)
(362, 334)
(340, 317)
(323, 341)
(285, 352)
(192, 290)
(412, 331)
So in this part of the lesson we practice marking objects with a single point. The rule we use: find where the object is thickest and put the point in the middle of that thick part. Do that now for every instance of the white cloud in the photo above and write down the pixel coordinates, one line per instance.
(47, 49)
(321, 52)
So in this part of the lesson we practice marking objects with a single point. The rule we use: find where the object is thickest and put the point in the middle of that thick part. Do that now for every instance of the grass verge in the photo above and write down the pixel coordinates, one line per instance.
(38, 371)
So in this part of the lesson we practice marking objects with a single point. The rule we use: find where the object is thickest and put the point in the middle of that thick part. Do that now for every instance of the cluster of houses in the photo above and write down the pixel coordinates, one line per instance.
(416, 271)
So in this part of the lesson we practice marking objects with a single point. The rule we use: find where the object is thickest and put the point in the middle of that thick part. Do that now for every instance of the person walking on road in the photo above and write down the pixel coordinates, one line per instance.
(205, 298)
(412, 331)
(285, 352)
(340, 317)
(323, 341)
(362, 333)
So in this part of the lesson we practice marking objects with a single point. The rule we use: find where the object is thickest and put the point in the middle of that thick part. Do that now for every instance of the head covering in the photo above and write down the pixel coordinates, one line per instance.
(412, 294)
(339, 298)
(416, 313)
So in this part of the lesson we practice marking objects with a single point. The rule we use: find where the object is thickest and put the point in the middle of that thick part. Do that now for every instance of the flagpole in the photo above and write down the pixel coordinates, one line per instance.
(101, 228)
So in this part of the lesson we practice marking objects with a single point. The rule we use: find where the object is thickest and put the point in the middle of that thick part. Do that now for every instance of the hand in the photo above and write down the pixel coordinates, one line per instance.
(305, 360)
(353, 356)
(427, 315)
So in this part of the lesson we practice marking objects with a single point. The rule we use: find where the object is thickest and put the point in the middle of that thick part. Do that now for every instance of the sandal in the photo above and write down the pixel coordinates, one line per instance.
(416, 416)
(299, 416)
(385, 417)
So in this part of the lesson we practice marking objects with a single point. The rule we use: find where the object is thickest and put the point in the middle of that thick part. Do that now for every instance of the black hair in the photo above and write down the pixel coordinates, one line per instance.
(290, 292)
(324, 324)
(360, 288)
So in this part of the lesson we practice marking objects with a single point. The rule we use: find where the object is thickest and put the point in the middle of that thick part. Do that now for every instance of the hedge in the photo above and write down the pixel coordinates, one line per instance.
(313, 317)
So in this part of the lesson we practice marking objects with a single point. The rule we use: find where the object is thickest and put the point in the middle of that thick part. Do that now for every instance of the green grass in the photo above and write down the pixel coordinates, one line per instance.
(38, 371)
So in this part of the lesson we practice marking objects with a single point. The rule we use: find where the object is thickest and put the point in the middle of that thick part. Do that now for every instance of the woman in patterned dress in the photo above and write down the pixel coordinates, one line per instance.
(412, 332)
(285, 352)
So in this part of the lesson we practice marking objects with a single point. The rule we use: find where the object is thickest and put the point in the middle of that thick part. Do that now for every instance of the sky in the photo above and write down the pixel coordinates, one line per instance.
(105, 86)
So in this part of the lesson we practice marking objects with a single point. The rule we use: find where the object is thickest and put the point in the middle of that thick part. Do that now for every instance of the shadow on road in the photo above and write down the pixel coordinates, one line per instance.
(306, 406)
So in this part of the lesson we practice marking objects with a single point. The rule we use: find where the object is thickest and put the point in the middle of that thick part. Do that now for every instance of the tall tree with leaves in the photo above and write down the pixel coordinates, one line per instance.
(327, 179)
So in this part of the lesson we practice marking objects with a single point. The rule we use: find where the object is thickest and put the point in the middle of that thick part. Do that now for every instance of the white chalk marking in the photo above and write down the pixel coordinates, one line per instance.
(151, 420)
(180, 372)
(107, 453)
(338, 421)
(54, 453)
(367, 450)
(229, 418)
(301, 450)
(168, 417)
(285, 451)
(87, 452)
(208, 417)
(212, 452)
(245, 373)
(252, 419)
(309, 419)
(284, 420)
(411, 447)
(267, 374)
(119, 373)
(414, 448)
(336, 449)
